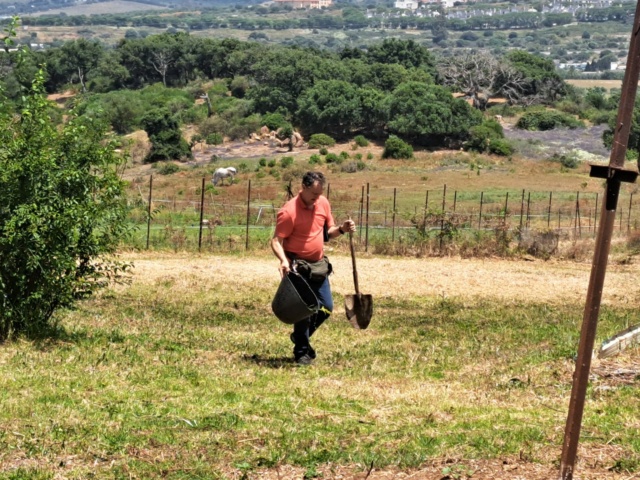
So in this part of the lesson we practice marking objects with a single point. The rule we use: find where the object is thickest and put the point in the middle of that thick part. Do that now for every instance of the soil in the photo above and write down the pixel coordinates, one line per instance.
(507, 281)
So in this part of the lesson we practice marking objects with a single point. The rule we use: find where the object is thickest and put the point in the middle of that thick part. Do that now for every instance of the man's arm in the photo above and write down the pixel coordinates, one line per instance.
(278, 250)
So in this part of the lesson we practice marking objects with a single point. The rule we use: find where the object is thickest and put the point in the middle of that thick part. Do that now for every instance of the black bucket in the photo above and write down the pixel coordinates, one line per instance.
(294, 300)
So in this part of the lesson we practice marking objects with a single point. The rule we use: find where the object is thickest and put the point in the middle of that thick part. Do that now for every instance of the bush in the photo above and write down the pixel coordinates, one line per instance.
(547, 120)
(344, 155)
(396, 148)
(361, 141)
(323, 151)
(272, 163)
(262, 162)
(315, 159)
(319, 140)
(166, 168)
(62, 213)
(567, 161)
(286, 161)
(332, 158)
(214, 139)
(501, 146)
(274, 121)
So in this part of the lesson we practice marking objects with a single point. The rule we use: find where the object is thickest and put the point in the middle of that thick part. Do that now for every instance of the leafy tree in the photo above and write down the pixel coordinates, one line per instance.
(165, 137)
(78, 58)
(404, 52)
(62, 213)
(428, 114)
(541, 81)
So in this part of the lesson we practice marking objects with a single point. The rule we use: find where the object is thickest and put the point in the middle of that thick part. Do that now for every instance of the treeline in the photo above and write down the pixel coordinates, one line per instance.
(350, 19)
(391, 88)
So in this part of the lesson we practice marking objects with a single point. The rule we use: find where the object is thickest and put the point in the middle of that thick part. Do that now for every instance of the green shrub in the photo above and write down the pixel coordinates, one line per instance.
(214, 139)
(243, 167)
(567, 161)
(315, 159)
(369, 156)
(318, 140)
(344, 155)
(273, 120)
(332, 158)
(166, 168)
(63, 212)
(286, 161)
(262, 162)
(323, 151)
(361, 141)
(547, 120)
(501, 146)
(396, 148)
(272, 163)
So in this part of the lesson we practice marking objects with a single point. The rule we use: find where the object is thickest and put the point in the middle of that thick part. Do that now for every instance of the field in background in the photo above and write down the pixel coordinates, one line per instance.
(99, 8)
(607, 84)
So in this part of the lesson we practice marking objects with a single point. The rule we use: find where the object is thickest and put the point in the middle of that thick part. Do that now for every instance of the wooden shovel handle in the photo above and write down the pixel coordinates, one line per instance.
(353, 262)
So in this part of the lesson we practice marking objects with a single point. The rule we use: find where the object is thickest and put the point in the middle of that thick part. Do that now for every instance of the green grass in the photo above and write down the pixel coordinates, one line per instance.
(184, 379)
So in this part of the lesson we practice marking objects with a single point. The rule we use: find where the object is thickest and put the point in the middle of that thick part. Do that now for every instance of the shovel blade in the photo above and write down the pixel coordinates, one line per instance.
(359, 310)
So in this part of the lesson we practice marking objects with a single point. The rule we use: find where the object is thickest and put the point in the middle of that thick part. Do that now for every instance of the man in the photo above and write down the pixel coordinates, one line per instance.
(303, 225)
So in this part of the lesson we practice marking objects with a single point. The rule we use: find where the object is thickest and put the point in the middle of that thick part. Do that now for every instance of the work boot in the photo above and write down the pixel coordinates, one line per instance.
(304, 360)
(310, 351)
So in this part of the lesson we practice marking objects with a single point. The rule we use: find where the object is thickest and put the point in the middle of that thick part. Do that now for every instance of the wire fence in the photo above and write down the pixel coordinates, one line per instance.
(386, 214)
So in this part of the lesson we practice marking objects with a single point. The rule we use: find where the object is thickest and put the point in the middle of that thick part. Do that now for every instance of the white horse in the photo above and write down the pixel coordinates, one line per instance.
(221, 173)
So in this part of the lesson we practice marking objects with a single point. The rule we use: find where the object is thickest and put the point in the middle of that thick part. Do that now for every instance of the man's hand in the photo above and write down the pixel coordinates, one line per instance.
(284, 268)
(348, 226)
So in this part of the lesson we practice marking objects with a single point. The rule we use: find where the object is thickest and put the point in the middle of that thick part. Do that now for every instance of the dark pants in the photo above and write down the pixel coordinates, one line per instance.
(303, 330)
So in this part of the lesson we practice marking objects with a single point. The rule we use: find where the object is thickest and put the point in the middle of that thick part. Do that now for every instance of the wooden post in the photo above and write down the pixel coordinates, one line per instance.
(444, 197)
(549, 210)
(149, 210)
(629, 214)
(528, 208)
(506, 206)
(455, 200)
(360, 216)
(366, 231)
(424, 217)
(201, 216)
(246, 242)
(393, 217)
(521, 210)
(480, 216)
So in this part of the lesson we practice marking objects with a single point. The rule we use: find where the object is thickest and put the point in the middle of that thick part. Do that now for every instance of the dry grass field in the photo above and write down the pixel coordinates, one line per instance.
(110, 7)
(608, 84)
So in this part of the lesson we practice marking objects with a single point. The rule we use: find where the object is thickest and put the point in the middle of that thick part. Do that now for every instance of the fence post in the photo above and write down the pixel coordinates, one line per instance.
(521, 210)
(328, 190)
(480, 216)
(149, 210)
(620, 218)
(578, 226)
(201, 216)
(595, 215)
(393, 217)
(528, 209)
(360, 215)
(444, 197)
(424, 219)
(246, 242)
(629, 215)
(455, 200)
(366, 231)
(549, 210)
(506, 206)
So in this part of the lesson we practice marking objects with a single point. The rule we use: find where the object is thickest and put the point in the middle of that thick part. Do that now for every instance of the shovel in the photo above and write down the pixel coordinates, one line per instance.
(358, 307)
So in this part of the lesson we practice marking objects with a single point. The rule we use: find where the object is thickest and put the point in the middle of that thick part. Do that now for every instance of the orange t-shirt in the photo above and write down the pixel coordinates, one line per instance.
(302, 228)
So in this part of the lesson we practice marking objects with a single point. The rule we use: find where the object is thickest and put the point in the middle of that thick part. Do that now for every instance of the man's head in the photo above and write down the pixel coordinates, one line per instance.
(312, 187)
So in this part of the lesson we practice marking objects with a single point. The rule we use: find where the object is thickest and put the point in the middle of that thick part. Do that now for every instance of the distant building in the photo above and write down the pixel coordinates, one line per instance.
(406, 4)
(305, 3)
